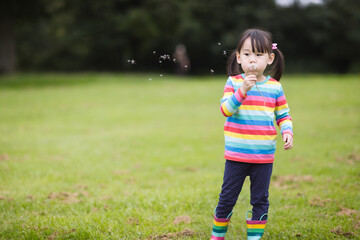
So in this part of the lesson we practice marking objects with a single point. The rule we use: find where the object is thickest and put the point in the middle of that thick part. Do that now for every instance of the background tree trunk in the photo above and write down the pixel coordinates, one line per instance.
(7, 46)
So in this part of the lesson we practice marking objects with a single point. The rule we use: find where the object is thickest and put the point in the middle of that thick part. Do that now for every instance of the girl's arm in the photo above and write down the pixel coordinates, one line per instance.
(231, 99)
(283, 118)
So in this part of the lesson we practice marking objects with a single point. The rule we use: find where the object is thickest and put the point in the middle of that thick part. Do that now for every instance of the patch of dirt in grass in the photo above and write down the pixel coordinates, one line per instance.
(357, 225)
(67, 197)
(319, 202)
(131, 180)
(95, 209)
(9, 199)
(137, 166)
(186, 233)
(4, 157)
(347, 212)
(178, 235)
(354, 156)
(297, 158)
(80, 186)
(182, 219)
(350, 159)
(84, 194)
(286, 207)
(30, 198)
(339, 231)
(52, 236)
(290, 181)
(106, 197)
(55, 235)
(133, 221)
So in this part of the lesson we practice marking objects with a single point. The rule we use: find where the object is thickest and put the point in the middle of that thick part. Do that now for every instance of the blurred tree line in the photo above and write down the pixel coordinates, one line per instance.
(75, 35)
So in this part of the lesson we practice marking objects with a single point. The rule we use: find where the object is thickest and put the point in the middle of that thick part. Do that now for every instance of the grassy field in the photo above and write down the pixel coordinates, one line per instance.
(106, 156)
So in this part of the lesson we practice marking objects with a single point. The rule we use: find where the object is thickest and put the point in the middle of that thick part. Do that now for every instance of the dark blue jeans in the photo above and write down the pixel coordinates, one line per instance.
(234, 177)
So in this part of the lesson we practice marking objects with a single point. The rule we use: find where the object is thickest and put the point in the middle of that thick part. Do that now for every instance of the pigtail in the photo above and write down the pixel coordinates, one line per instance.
(232, 65)
(278, 65)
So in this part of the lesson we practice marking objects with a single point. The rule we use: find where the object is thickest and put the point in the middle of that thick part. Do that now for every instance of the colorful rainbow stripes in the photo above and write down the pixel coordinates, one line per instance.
(255, 228)
(220, 228)
(250, 134)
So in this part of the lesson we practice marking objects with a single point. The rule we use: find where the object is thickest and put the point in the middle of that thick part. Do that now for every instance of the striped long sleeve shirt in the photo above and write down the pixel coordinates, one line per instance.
(250, 133)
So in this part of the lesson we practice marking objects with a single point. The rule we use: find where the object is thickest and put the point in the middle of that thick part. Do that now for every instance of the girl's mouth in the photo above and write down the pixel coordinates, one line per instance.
(253, 67)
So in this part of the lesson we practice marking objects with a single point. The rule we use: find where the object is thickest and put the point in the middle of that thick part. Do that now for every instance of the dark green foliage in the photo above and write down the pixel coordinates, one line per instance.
(74, 35)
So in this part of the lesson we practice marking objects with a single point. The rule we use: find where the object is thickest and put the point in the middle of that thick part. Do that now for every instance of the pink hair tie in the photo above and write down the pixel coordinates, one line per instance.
(274, 46)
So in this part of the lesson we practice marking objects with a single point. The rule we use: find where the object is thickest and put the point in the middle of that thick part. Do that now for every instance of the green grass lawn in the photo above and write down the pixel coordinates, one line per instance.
(106, 156)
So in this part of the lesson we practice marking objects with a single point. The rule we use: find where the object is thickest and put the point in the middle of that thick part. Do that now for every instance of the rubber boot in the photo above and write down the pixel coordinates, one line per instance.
(220, 227)
(255, 228)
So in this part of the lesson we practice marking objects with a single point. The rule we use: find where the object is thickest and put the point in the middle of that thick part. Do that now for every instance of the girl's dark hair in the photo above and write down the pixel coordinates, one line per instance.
(261, 41)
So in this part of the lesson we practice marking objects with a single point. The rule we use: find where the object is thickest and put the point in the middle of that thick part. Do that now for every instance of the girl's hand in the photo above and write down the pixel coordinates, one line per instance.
(248, 83)
(288, 139)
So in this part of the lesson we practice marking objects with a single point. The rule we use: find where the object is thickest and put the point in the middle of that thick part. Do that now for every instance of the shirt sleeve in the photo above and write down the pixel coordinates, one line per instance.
(231, 100)
(283, 118)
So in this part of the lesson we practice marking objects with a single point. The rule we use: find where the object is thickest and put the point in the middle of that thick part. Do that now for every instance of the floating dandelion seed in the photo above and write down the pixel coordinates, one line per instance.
(219, 43)
(185, 66)
(160, 62)
(211, 70)
(131, 61)
(150, 79)
(165, 56)
(224, 52)
(161, 75)
(154, 52)
(174, 60)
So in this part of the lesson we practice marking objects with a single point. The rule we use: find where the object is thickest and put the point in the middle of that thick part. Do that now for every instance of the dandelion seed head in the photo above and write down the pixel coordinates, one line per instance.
(253, 67)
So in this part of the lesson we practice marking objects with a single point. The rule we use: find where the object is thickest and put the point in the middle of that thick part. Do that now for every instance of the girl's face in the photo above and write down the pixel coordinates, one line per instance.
(253, 63)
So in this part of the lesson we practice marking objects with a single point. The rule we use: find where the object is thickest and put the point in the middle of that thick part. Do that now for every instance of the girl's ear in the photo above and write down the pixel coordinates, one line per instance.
(271, 58)
(238, 57)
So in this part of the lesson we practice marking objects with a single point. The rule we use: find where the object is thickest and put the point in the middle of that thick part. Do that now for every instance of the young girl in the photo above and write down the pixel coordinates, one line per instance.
(251, 102)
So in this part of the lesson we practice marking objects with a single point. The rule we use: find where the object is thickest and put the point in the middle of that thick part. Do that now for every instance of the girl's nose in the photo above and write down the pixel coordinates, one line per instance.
(252, 59)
